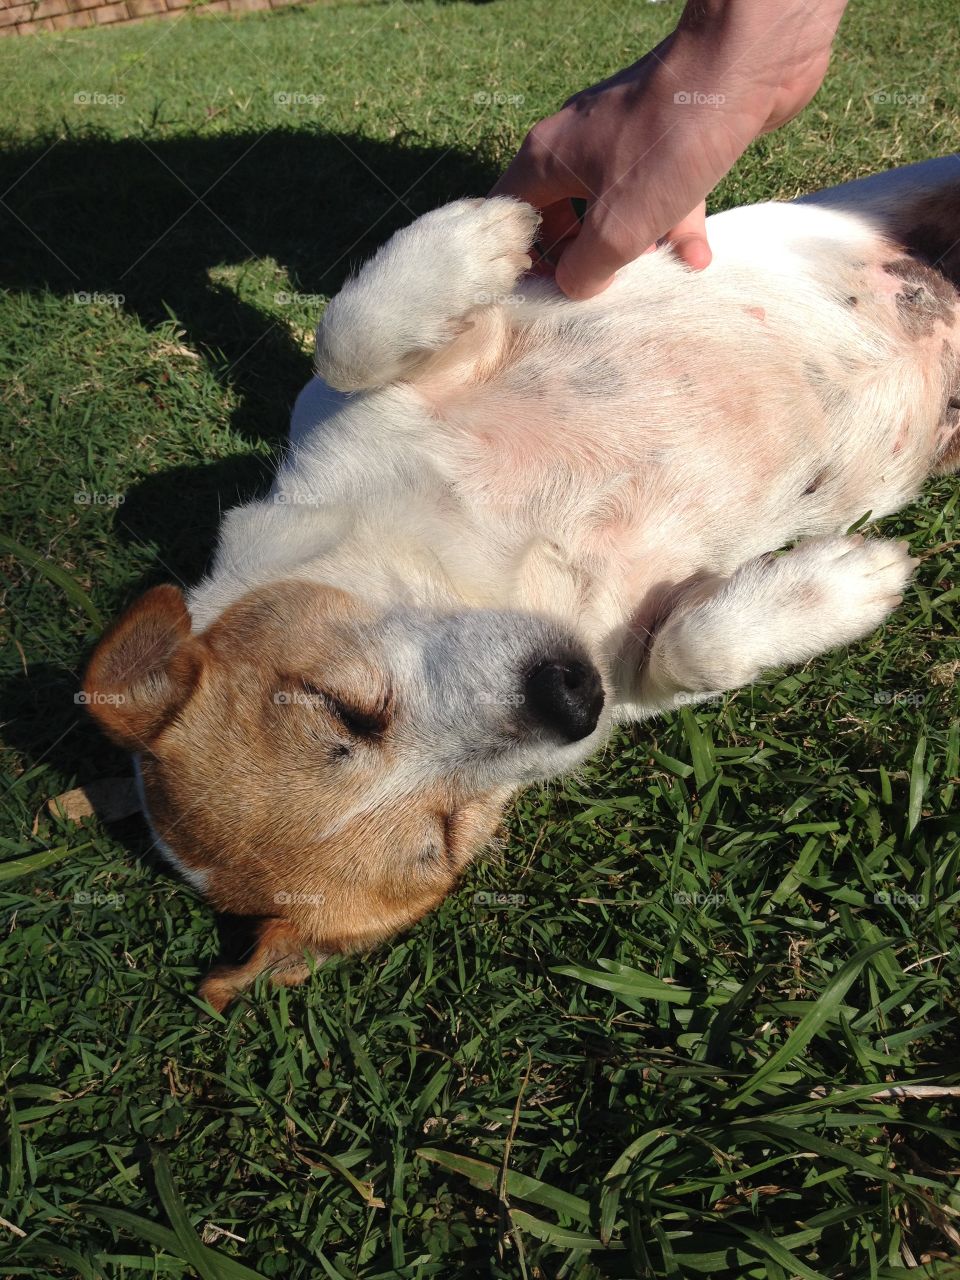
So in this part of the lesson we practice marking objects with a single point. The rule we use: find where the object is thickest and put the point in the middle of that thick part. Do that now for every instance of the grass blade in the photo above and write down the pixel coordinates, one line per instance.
(59, 577)
(814, 1020)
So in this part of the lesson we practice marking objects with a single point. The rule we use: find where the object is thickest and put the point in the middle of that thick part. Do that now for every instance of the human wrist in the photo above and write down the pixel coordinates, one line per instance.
(706, 66)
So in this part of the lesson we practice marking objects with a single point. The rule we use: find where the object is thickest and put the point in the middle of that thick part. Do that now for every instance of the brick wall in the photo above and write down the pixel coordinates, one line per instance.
(21, 17)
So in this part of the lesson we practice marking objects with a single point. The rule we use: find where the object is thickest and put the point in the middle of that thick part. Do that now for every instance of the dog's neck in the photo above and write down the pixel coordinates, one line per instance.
(360, 505)
(400, 555)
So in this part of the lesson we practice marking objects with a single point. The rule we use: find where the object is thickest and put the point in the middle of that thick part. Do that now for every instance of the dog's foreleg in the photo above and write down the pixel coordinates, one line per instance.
(773, 611)
(416, 295)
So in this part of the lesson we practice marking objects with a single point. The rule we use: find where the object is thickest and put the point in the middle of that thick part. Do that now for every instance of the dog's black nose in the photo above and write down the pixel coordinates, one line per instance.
(565, 695)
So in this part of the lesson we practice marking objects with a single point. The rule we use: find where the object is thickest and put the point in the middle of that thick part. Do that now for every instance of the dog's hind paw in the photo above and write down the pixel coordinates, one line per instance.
(486, 248)
(780, 609)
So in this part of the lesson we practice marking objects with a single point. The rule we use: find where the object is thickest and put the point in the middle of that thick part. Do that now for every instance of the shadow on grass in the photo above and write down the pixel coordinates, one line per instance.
(150, 220)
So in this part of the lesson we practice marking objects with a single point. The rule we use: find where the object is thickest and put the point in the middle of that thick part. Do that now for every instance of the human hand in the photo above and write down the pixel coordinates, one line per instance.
(646, 146)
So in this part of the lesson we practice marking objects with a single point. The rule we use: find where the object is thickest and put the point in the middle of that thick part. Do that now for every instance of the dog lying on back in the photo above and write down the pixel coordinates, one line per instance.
(508, 521)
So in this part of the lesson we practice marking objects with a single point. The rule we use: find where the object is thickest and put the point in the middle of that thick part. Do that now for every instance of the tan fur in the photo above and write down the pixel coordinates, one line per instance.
(532, 475)
(190, 704)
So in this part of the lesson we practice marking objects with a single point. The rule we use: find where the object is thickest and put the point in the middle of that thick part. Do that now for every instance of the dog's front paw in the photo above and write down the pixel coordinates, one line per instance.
(413, 297)
(476, 249)
(840, 589)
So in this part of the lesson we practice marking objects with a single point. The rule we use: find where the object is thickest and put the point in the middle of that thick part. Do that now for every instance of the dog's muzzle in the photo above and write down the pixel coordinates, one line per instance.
(564, 695)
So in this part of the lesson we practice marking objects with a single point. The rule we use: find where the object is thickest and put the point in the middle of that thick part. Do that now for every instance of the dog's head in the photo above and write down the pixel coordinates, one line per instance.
(310, 759)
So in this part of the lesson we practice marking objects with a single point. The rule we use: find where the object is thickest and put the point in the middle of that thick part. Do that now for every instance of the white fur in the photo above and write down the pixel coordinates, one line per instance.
(621, 465)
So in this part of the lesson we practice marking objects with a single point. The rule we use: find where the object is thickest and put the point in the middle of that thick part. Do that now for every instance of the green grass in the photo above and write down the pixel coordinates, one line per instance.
(656, 1056)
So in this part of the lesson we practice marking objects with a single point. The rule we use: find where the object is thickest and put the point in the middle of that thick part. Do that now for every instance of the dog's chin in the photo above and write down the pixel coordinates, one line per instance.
(547, 761)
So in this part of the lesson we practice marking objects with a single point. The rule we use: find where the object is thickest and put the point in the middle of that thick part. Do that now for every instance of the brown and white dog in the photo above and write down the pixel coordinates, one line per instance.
(507, 521)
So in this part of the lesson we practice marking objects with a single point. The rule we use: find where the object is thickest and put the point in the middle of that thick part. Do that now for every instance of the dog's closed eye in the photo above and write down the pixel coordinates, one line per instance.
(359, 722)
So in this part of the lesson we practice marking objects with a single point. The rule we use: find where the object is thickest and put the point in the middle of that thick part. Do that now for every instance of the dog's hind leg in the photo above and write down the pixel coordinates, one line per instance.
(416, 295)
(917, 206)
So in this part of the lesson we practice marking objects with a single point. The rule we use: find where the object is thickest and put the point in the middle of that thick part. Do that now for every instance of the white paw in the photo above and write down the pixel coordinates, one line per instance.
(476, 250)
(784, 609)
(840, 589)
(414, 295)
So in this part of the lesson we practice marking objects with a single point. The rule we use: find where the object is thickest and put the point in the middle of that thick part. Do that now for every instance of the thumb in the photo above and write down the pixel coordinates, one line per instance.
(589, 262)
(689, 239)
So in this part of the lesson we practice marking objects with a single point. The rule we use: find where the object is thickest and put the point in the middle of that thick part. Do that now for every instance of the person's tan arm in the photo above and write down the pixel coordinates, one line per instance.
(646, 147)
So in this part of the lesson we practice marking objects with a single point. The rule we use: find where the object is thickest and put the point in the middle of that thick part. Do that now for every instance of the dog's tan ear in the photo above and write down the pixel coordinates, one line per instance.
(278, 950)
(144, 669)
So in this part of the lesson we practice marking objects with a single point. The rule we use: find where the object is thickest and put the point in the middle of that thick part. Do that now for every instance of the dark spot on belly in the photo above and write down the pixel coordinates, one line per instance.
(816, 482)
(853, 300)
(914, 317)
(948, 451)
(849, 362)
(583, 331)
(597, 378)
(830, 394)
(525, 380)
(925, 297)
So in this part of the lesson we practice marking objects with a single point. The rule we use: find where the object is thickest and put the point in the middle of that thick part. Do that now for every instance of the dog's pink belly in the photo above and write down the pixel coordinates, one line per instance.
(751, 407)
(656, 423)
(920, 308)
